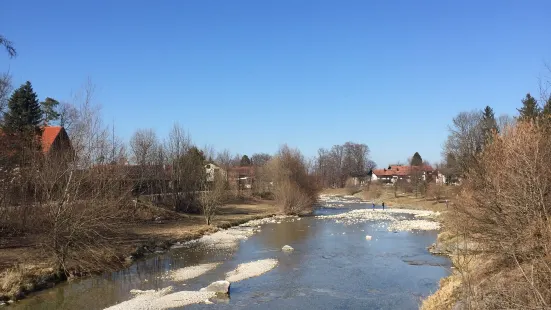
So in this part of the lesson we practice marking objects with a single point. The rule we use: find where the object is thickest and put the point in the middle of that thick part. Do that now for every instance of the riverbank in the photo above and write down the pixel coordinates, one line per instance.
(24, 268)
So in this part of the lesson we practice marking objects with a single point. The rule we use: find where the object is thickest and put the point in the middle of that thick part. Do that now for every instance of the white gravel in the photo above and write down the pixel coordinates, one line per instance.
(396, 217)
(162, 299)
(191, 272)
(250, 270)
(229, 239)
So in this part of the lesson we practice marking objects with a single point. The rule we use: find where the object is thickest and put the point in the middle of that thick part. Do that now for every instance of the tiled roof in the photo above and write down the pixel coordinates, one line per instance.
(49, 134)
(396, 170)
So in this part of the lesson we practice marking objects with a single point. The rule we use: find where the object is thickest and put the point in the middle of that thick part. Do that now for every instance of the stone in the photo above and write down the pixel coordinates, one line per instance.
(218, 287)
(287, 248)
(368, 237)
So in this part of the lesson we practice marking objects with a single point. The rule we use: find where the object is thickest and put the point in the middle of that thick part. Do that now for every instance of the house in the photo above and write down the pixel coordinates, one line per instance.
(211, 170)
(55, 140)
(396, 173)
(241, 177)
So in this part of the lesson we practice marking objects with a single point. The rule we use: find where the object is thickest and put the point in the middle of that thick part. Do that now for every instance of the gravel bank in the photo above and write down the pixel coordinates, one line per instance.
(191, 272)
(250, 270)
(398, 218)
(162, 299)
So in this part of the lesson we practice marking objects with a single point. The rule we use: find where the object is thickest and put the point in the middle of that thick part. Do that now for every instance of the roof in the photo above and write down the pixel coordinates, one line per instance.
(398, 170)
(49, 134)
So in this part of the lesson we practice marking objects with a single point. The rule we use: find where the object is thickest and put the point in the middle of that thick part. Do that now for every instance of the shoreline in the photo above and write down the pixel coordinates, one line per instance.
(34, 279)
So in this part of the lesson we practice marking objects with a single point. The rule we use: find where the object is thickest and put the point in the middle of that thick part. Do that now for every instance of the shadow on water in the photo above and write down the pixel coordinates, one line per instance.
(332, 267)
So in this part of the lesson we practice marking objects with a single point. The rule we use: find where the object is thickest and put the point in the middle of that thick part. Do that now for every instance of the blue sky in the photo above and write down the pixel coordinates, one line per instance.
(252, 75)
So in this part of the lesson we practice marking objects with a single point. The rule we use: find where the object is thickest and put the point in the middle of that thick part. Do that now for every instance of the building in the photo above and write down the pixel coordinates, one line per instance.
(211, 170)
(395, 173)
(55, 140)
(241, 177)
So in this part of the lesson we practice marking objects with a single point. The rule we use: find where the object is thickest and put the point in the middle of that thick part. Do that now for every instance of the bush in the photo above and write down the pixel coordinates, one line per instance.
(505, 209)
(295, 190)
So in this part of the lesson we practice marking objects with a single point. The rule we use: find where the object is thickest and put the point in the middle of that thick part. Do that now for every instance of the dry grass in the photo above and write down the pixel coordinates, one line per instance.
(21, 271)
(446, 296)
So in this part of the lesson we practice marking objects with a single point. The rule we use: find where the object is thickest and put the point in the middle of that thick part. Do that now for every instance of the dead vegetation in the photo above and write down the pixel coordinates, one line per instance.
(503, 210)
(295, 190)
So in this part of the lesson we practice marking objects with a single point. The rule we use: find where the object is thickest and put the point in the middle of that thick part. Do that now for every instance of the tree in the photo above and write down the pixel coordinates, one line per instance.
(144, 146)
(49, 110)
(489, 123)
(211, 199)
(546, 112)
(260, 159)
(224, 159)
(68, 115)
(9, 46)
(465, 141)
(245, 161)
(5, 90)
(24, 113)
(530, 109)
(416, 160)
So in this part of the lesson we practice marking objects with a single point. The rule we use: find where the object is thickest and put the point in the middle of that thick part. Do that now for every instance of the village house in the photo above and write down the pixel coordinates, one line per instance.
(54, 140)
(211, 170)
(395, 173)
(241, 177)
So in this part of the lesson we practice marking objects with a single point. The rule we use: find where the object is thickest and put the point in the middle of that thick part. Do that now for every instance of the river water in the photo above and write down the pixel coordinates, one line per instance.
(333, 266)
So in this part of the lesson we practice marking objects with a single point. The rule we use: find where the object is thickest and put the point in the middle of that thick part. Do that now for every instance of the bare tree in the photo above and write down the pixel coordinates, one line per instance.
(68, 116)
(8, 45)
(213, 196)
(144, 146)
(465, 140)
(260, 159)
(5, 91)
(224, 159)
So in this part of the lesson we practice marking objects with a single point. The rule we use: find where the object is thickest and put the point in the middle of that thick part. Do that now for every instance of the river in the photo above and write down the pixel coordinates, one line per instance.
(333, 266)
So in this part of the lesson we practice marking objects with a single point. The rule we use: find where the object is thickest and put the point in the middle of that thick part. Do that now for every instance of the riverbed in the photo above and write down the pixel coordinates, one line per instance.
(333, 266)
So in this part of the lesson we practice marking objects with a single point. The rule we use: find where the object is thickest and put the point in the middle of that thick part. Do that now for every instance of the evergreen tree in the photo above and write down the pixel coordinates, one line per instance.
(22, 123)
(24, 113)
(546, 112)
(530, 109)
(245, 161)
(489, 123)
(416, 160)
(49, 110)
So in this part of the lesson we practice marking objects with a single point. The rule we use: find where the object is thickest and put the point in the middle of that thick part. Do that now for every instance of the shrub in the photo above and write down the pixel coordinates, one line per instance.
(505, 209)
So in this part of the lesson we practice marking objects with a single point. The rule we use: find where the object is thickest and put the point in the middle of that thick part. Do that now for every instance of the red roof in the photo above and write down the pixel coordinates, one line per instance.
(401, 170)
(49, 134)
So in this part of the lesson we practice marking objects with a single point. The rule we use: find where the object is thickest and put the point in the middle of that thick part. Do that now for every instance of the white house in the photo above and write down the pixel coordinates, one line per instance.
(211, 170)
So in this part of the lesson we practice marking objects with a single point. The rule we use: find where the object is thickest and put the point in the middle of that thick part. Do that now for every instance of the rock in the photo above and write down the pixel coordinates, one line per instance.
(2, 303)
(208, 302)
(287, 248)
(218, 287)
(368, 237)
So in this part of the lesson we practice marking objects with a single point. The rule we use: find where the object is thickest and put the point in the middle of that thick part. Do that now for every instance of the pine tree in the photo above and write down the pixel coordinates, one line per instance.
(24, 113)
(416, 160)
(49, 110)
(530, 109)
(489, 123)
(245, 161)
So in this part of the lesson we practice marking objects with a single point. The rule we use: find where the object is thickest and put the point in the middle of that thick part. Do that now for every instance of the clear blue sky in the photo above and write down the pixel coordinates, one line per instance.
(251, 75)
